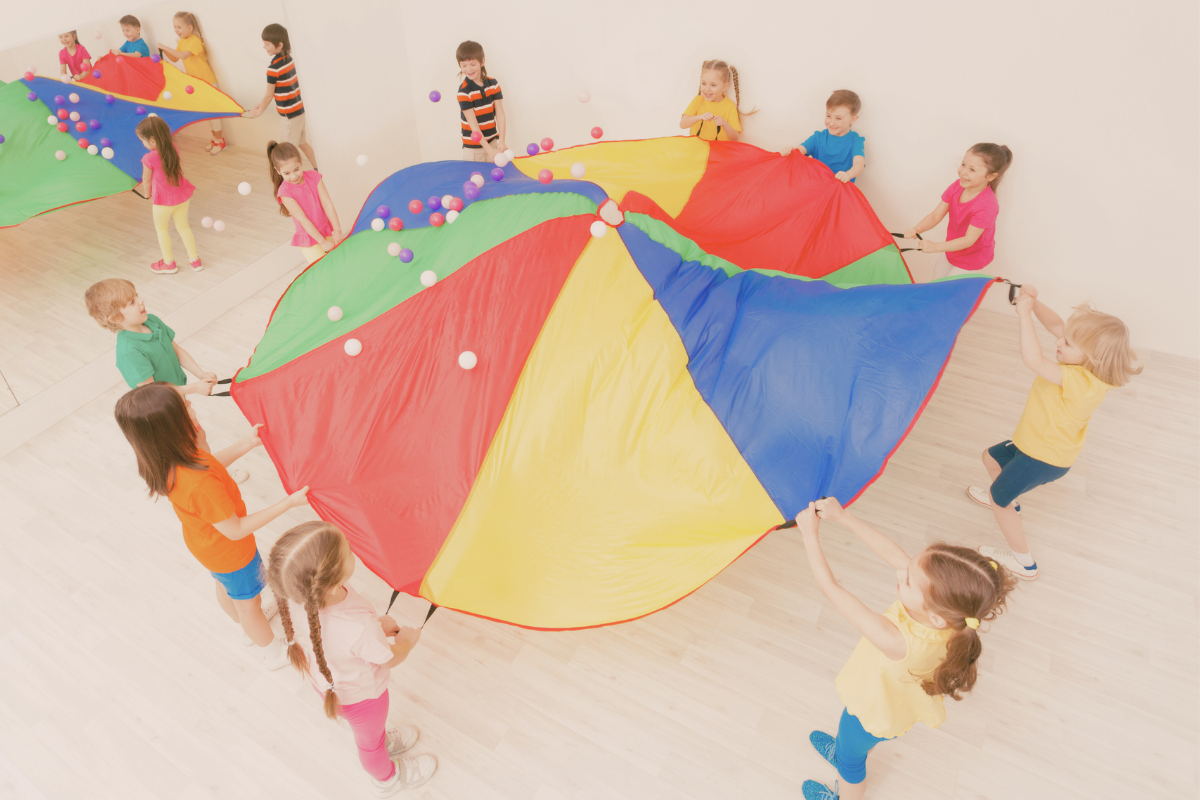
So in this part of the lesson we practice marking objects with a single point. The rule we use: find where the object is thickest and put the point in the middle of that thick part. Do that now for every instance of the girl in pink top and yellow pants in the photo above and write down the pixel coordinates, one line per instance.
(170, 192)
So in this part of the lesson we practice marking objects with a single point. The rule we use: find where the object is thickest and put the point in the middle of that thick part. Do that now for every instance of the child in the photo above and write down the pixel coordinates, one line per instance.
(74, 57)
(303, 197)
(971, 202)
(838, 147)
(173, 459)
(169, 191)
(481, 106)
(134, 46)
(1093, 356)
(713, 106)
(284, 87)
(192, 53)
(344, 650)
(924, 646)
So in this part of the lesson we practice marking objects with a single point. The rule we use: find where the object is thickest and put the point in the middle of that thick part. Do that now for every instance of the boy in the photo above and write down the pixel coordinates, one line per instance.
(284, 87)
(135, 46)
(838, 147)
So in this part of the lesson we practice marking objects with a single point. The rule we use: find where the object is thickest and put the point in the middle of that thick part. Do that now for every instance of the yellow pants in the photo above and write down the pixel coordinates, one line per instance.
(162, 214)
(312, 252)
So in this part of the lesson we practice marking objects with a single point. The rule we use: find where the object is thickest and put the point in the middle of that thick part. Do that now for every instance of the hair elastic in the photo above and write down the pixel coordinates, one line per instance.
(972, 623)
(995, 566)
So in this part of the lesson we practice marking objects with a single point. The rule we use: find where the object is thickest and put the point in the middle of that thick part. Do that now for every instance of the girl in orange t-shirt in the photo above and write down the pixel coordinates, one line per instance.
(172, 459)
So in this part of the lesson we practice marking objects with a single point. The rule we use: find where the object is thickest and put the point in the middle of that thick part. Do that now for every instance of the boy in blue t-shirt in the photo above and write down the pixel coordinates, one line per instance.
(135, 46)
(838, 147)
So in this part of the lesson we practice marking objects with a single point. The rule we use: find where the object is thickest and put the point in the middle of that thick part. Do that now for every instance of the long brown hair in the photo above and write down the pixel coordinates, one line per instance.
(306, 562)
(729, 74)
(997, 157)
(191, 19)
(155, 420)
(963, 585)
(471, 51)
(281, 153)
(154, 129)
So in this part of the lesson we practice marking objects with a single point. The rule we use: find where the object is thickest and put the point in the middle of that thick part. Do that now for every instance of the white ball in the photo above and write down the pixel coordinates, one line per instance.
(428, 278)
(584, 96)
(218, 226)
(53, 120)
(451, 216)
(446, 198)
(598, 228)
(394, 249)
(243, 188)
(152, 114)
(378, 224)
(352, 347)
(31, 68)
(334, 313)
(60, 155)
(578, 170)
(509, 154)
(93, 150)
(467, 359)
(74, 116)
(475, 179)
(66, 79)
(107, 153)
(206, 222)
(501, 160)
(74, 98)
(167, 95)
(362, 161)
(98, 35)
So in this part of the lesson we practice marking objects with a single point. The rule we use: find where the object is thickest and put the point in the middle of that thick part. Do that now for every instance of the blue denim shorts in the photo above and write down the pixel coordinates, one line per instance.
(244, 583)
(1019, 473)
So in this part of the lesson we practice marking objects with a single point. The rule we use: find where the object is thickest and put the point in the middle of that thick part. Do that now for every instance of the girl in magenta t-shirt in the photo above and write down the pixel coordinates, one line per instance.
(303, 197)
(971, 203)
(74, 57)
(169, 190)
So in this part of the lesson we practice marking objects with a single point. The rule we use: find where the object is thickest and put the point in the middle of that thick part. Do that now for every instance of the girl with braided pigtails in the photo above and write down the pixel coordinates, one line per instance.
(925, 645)
(712, 115)
(342, 646)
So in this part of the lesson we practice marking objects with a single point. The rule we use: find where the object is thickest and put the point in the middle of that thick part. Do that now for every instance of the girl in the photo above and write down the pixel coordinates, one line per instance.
(971, 203)
(173, 459)
(712, 115)
(190, 50)
(303, 197)
(924, 646)
(1092, 356)
(481, 106)
(344, 650)
(74, 57)
(169, 191)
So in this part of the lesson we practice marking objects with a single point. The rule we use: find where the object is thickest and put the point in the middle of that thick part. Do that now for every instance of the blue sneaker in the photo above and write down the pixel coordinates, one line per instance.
(819, 791)
(823, 743)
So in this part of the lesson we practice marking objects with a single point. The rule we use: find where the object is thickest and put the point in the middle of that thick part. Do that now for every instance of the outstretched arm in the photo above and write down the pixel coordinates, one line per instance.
(239, 448)
(240, 527)
(1031, 348)
(929, 220)
(828, 508)
(262, 105)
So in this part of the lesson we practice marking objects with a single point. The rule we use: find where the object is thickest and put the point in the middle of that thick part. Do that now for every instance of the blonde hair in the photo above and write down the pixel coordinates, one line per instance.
(191, 19)
(306, 562)
(1104, 340)
(729, 74)
(106, 299)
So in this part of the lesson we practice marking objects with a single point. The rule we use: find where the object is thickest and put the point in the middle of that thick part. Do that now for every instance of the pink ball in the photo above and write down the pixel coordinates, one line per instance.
(547, 144)
(189, 89)
(120, 60)
(62, 126)
(456, 203)
(62, 113)
(436, 219)
(545, 176)
(597, 132)
(84, 143)
(29, 76)
(395, 223)
(81, 126)
(415, 206)
(476, 136)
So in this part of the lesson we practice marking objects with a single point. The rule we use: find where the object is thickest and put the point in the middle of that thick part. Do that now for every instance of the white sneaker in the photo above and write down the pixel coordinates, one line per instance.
(984, 497)
(410, 773)
(1005, 558)
(239, 475)
(274, 656)
(270, 607)
(401, 739)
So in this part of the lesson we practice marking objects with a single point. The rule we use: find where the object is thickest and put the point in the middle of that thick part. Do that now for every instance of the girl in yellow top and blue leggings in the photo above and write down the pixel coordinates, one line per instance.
(1093, 356)
(924, 646)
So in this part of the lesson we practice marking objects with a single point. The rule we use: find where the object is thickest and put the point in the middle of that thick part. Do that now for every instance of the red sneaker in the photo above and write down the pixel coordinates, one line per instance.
(197, 266)
(161, 268)
(217, 146)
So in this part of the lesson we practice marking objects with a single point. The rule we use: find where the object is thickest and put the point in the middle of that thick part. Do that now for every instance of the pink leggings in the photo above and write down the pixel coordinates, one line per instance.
(368, 723)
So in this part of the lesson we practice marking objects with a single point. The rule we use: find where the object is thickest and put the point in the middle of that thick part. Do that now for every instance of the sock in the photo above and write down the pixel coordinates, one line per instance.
(1024, 559)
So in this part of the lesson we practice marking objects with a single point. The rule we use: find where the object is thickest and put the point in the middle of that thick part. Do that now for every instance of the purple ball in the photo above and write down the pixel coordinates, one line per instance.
(384, 212)
(140, 109)
(96, 74)
(532, 149)
(156, 58)
(105, 143)
(434, 203)
(497, 174)
(58, 98)
(94, 124)
(471, 191)
(31, 96)
(108, 98)
(406, 255)
(1, 138)
(435, 95)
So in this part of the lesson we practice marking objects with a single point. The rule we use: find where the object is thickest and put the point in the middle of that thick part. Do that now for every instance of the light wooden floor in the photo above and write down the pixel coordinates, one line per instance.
(120, 678)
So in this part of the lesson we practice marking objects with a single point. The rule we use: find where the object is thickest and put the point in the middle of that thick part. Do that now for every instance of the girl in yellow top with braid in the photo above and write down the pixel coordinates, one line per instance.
(924, 646)
(192, 52)
(712, 115)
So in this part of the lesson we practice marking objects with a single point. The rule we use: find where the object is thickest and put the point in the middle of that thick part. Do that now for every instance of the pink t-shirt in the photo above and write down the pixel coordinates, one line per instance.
(354, 646)
(164, 193)
(74, 62)
(981, 213)
(307, 195)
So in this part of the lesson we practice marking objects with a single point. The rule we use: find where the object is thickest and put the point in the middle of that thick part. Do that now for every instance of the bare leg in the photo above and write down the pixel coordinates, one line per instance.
(852, 791)
(226, 603)
(1007, 518)
(306, 148)
(254, 622)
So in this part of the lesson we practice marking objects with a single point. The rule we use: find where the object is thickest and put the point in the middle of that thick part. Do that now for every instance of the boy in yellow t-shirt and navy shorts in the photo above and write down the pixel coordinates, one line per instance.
(1093, 356)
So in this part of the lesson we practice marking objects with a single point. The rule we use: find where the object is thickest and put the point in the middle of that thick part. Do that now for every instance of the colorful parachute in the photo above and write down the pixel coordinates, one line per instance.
(33, 181)
(647, 403)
